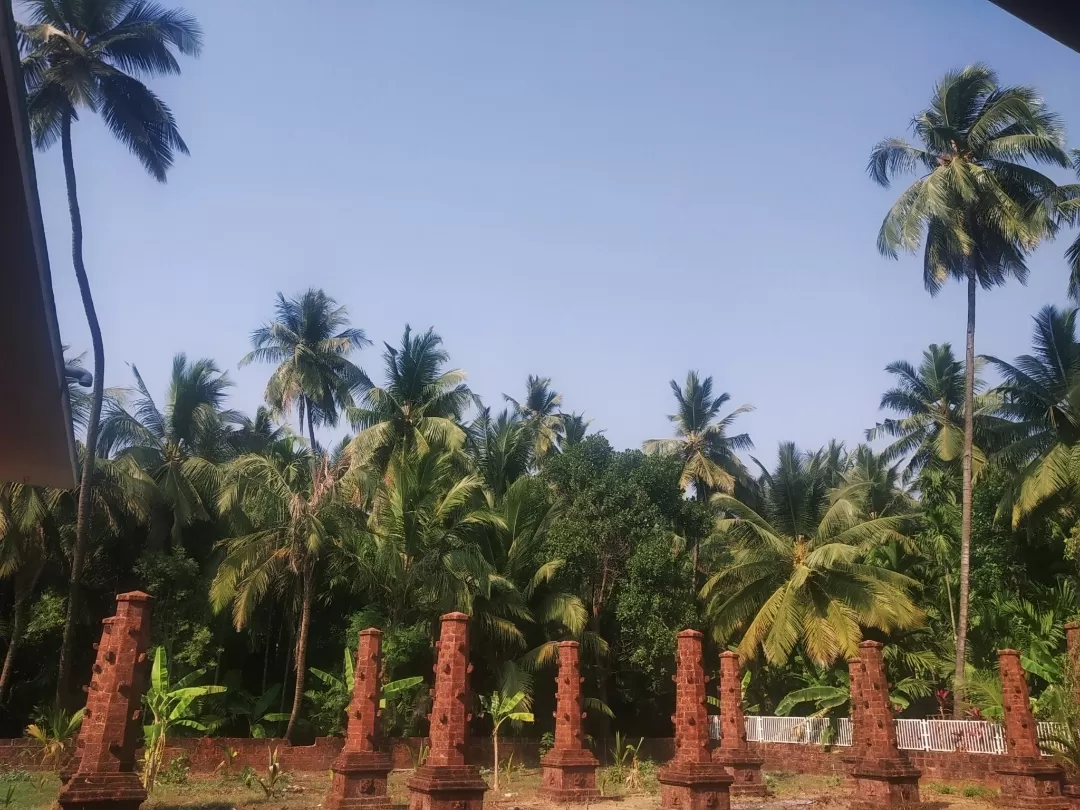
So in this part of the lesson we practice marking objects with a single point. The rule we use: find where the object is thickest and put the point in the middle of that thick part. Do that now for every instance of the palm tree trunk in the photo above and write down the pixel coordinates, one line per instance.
(18, 626)
(965, 507)
(495, 772)
(82, 526)
(301, 649)
(311, 429)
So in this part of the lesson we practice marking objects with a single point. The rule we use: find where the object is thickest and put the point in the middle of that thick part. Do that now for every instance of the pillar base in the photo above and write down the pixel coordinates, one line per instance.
(102, 791)
(359, 781)
(1030, 783)
(745, 771)
(884, 783)
(569, 776)
(447, 787)
(702, 786)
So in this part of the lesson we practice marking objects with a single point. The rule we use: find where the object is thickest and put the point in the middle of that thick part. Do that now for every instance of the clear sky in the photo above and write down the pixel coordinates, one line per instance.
(606, 192)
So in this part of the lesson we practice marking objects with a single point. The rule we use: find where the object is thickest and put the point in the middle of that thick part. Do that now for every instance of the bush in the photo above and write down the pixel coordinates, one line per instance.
(176, 772)
(547, 742)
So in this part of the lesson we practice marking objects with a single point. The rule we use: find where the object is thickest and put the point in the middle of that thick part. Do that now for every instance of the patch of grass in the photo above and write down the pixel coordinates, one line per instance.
(942, 789)
(978, 792)
(31, 793)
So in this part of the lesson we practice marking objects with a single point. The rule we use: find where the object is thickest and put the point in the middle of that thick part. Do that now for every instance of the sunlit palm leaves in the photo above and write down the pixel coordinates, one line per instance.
(702, 441)
(799, 573)
(540, 413)
(309, 341)
(930, 403)
(1041, 397)
(179, 446)
(501, 448)
(420, 405)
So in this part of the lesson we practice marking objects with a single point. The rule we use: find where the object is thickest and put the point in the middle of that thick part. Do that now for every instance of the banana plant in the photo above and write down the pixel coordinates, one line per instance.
(338, 691)
(170, 706)
(501, 709)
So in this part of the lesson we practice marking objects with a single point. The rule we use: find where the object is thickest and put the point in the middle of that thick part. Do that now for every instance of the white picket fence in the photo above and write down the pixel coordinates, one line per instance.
(974, 736)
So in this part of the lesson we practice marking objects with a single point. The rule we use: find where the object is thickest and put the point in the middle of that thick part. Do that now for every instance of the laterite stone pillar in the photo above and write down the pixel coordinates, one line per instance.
(569, 769)
(104, 777)
(1072, 641)
(361, 768)
(1027, 779)
(733, 753)
(883, 776)
(692, 780)
(444, 781)
(855, 681)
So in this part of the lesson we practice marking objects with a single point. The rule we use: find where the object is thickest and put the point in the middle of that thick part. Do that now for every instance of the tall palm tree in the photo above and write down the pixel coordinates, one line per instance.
(540, 412)
(1069, 210)
(1041, 395)
(179, 447)
(575, 426)
(701, 438)
(90, 55)
(702, 442)
(310, 340)
(257, 435)
(420, 555)
(875, 484)
(799, 572)
(501, 448)
(930, 402)
(420, 405)
(977, 210)
(289, 517)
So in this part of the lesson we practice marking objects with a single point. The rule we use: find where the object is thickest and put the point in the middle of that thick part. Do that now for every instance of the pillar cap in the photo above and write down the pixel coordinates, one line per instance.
(134, 596)
(854, 660)
(728, 654)
(690, 634)
(1072, 625)
(1008, 653)
(569, 644)
(870, 645)
(371, 631)
(456, 616)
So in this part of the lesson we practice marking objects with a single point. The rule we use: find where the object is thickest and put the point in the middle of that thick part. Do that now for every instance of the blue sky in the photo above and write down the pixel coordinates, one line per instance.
(607, 192)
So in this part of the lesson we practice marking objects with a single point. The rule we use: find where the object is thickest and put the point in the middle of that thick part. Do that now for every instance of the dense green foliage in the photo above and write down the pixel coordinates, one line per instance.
(266, 552)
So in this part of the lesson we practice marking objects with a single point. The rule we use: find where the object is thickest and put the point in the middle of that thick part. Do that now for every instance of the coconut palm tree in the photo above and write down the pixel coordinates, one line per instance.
(875, 485)
(930, 403)
(420, 405)
(179, 447)
(501, 448)
(539, 410)
(701, 438)
(310, 341)
(257, 435)
(799, 573)
(91, 55)
(1041, 395)
(575, 426)
(977, 210)
(289, 516)
(1069, 210)
(702, 442)
(419, 555)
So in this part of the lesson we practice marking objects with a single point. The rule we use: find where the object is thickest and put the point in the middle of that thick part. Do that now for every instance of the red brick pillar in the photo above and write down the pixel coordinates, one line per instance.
(883, 777)
(692, 781)
(360, 771)
(734, 754)
(855, 681)
(445, 782)
(1027, 779)
(569, 769)
(1072, 641)
(104, 777)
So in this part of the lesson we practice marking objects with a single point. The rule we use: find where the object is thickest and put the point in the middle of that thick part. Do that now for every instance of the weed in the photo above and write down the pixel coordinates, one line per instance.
(978, 792)
(944, 790)
(176, 772)
(7, 796)
(8, 775)
(276, 780)
(547, 742)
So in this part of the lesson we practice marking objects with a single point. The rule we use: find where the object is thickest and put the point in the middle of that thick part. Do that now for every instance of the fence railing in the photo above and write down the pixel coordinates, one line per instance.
(973, 736)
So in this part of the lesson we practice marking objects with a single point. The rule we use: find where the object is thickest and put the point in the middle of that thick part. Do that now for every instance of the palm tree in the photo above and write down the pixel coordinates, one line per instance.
(90, 55)
(540, 412)
(257, 435)
(501, 448)
(420, 405)
(310, 341)
(799, 571)
(180, 447)
(1069, 210)
(289, 517)
(420, 554)
(575, 426)
(977, 210)
(930, 402)
(702, 442)
(875, 485)
(1041, 394)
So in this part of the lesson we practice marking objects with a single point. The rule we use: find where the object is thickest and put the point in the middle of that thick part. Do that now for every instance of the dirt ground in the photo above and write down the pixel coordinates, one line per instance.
(19, 791)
